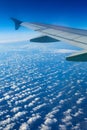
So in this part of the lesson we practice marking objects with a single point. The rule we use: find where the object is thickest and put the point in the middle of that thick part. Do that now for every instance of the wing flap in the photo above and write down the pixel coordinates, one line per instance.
(44, 39)
(80, 57)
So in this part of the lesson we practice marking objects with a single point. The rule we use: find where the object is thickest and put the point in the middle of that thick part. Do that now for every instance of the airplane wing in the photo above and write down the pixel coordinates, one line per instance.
(53, 33)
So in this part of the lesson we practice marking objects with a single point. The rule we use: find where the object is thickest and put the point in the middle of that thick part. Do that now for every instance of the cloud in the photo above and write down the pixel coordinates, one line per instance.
(51, 114)
(9, 126)
(67, 119)
(50, 121)
(24, 126)
(5, 122)
(15, 37)
(24, 99)
(62, 127)
(39, 107)
(63, 51)
(44, 127)
(76, 127)
(67, 112)
(59, 94)
(7, 97)
(79, 101)
(77, 93)
(61, 101)
(15, 109)
(33, 102)
(78, 113)
(18, 115)
(34, 118)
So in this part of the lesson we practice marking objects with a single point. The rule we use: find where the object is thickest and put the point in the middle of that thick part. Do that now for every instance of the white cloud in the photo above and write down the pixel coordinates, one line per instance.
(6, 96)
(24, 126)
(39, 107)
(5, 122)
(67, 112)
(78, 113)
(15, 36)
(52, 113)
(50, 121)
(67, 119)
(24, 99)
(76, 127)
(18, 115)
(44, 127)
(78, 81)
(1, 99)
(79, 101)
(15, 109)
(9, 126)
(62, 127)
(63, 51)
(28, 98)
(59, 94)
(14, 86)
(34, 118)
(77, 93)
(33, 102)
(61, 101)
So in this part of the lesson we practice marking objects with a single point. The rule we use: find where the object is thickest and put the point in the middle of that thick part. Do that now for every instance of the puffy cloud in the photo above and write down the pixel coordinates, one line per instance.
(24, 126)
(5, 122)
(59, 95)
(61, 101)
(34, 118)
(44, 127)
(15, 109)
(66, 119)
(9, 126)
(39, 107)
(50, 121)
(7, 97)
(67, 112)
(33, 102)
(79, 101)
(18, 115)
(76, 127)
(62, 127)
(78, 113)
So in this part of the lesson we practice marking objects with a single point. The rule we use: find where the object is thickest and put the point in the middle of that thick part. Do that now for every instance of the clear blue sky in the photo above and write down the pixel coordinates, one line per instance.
(64, 12)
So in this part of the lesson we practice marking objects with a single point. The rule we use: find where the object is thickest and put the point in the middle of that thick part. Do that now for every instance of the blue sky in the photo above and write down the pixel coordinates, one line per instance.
(71, 13)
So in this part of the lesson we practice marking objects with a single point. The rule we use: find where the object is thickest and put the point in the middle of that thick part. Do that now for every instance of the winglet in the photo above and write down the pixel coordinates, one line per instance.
(17, 23)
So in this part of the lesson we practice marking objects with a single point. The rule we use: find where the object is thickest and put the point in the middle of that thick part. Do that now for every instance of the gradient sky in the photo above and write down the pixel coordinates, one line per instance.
(71, 13)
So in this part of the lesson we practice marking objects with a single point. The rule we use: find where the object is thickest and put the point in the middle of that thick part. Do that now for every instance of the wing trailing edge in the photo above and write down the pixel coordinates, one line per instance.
(78, 57)
(44, 39)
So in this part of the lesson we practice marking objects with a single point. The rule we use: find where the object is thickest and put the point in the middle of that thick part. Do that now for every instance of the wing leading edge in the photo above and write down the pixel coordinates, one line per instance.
(53, 33)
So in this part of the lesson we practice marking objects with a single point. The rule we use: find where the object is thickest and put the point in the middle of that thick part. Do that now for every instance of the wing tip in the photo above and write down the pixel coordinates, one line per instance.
(16, 22)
